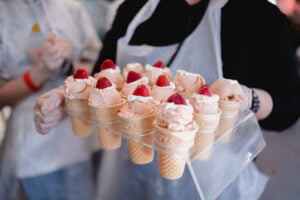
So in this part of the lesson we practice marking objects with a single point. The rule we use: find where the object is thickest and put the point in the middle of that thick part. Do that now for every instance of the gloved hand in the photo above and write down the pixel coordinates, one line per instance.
(247, 102)
(63, 47)
(48, 110)
(52, 54)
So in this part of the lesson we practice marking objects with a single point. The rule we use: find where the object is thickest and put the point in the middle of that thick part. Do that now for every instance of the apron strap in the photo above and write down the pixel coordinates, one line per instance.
(142, 16)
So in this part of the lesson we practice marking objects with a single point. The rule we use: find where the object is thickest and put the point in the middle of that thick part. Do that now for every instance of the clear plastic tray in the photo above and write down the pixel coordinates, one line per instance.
(236, 148)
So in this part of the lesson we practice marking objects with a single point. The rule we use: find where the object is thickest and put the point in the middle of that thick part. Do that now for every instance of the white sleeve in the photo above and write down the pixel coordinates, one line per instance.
(91, 44)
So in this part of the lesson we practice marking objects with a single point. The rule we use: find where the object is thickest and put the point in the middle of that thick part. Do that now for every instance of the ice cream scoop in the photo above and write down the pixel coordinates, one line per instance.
(111, 71)
(79, 85)
(204, 102)
(133, 80)
(227, 89)
(104, 94)
(176, 114)
(187, 82)
(136, 67)
(155, 70)
(163, 89)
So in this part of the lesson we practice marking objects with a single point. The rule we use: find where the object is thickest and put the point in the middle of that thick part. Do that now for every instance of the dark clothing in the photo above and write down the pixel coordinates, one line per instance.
(256, 49)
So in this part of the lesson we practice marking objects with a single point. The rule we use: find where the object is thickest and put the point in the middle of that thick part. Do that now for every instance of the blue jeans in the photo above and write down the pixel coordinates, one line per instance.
(74, 182)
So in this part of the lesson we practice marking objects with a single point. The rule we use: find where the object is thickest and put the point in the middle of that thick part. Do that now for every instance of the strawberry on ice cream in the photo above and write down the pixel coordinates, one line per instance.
(104, 94)
(157, 69)
(139, 103)
(176, 114)
(175, 134)
(187, 82)
(111, 71)
(137, 118)
(77, 91)
(163, 89)
(133, 80)
(79, 85)
(136, 67)
(204, 102)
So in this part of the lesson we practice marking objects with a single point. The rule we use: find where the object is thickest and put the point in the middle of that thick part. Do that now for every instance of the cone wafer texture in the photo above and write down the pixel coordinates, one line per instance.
(173, 152)
(79, 115)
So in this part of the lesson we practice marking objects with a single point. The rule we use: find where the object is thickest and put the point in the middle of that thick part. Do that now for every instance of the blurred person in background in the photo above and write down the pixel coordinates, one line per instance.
(40, 42)
(238, 39)
(280, 159)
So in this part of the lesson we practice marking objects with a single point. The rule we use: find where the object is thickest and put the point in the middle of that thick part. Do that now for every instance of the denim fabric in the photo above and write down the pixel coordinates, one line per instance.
(74, 182)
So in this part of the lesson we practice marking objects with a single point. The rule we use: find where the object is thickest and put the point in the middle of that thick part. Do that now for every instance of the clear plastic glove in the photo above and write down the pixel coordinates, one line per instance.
(63, 47)
(52, 54)
(48, 111)
(247, 102)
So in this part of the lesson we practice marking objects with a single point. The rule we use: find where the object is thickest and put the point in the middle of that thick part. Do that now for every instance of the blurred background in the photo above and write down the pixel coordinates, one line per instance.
(282, 166)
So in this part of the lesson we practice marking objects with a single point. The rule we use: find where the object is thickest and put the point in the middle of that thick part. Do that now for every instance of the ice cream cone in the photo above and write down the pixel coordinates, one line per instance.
(136, 127)
(228, 118)
(80, 116)
(229, 108)
(107, 139)
(104, 116)
(173, 152)
(208, 124)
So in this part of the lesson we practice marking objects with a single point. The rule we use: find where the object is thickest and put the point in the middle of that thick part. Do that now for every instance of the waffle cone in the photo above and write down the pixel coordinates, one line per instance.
(229, 108)
(106, 113)
(208, 124)
(108, 140)
(140, 154)
(173, 144)
(225, 127)
(79, 116)
(135, 127)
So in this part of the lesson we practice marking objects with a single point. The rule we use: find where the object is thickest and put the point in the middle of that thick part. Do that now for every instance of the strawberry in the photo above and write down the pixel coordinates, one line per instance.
(162, 81)
(141, 90)
(133, 76)
(159, 64)
(103, 82)
(177, 99)
(204, 90)
(81, 74)
(108, 64)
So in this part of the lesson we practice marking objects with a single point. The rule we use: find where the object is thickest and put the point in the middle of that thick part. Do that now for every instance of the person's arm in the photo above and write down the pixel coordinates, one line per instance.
(125, 14)
(49, 64)
(258, 54)
(15, 90)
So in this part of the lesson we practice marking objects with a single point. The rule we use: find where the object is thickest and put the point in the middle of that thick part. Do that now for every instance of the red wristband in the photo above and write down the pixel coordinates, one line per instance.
(29, 83)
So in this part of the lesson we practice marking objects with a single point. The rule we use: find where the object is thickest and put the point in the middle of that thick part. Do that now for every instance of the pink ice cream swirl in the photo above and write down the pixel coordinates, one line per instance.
(205, 104)
(188, 82)
(79, 88)
(176, 117)
(128, 88)
(137, 67)
(153, 73)
(104, 97)
(161, 94)
(114, 75)
(228, 89)
(138, 106)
